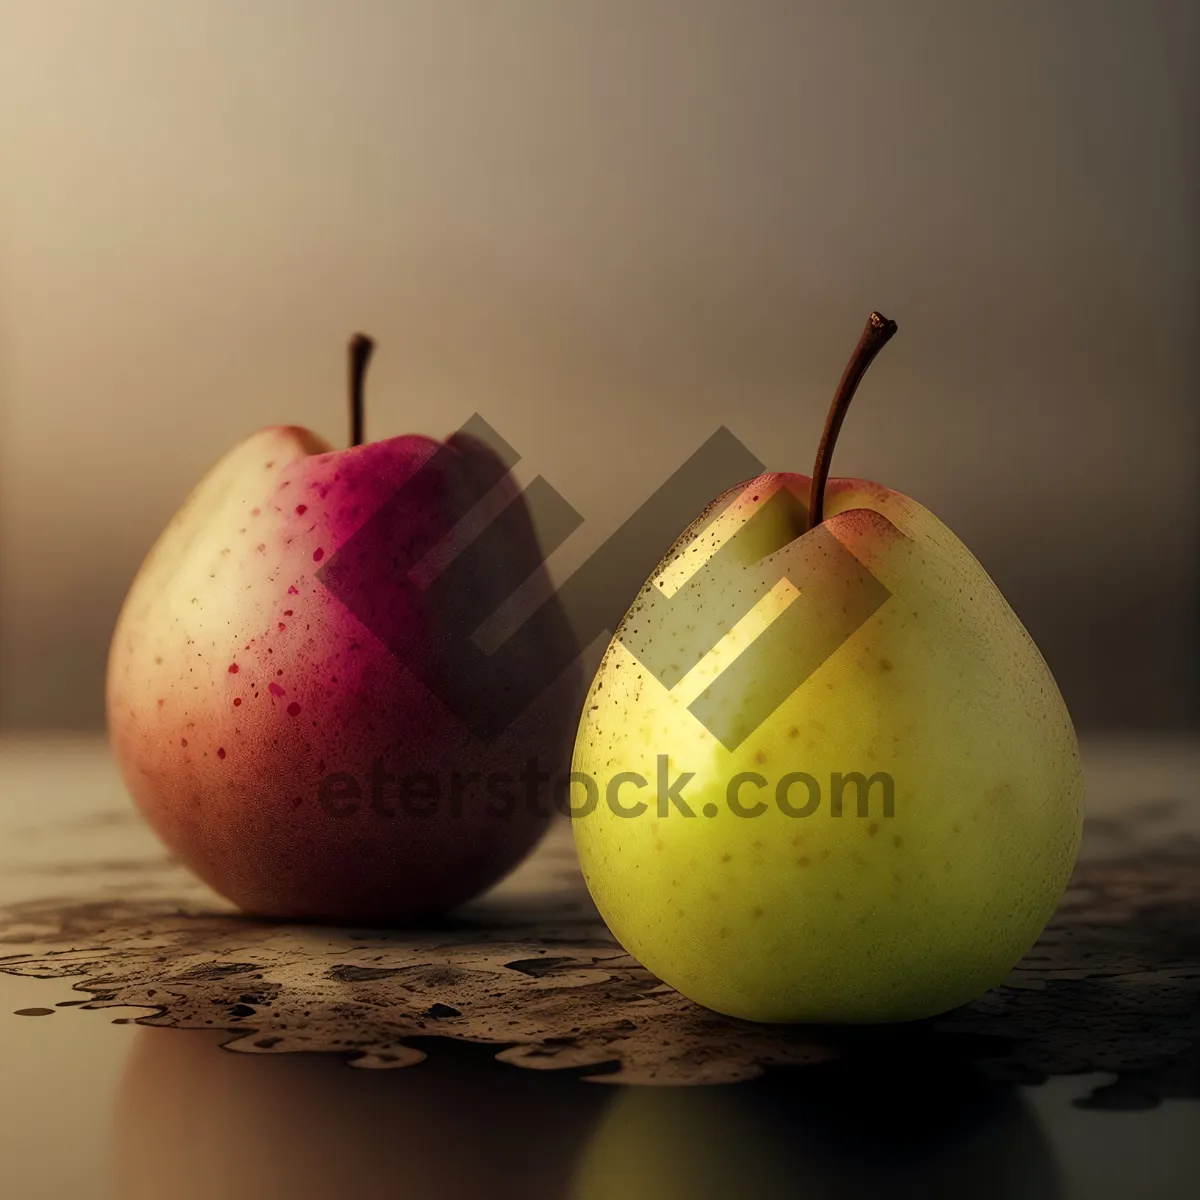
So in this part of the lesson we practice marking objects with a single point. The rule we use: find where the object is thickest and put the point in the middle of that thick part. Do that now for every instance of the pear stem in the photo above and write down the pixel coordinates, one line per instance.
(876, 335)
(359, 352)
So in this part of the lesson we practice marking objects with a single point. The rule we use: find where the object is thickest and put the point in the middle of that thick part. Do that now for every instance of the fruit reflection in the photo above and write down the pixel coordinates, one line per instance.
(195, 1121)
(841, 1131)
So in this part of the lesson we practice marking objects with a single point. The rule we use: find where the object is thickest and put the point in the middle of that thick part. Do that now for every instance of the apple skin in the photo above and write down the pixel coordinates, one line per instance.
(238, 681)
(811, 917)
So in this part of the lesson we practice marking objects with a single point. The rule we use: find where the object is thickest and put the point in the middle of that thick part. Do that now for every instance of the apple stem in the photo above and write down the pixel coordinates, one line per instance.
(360, 350)
(876, 335)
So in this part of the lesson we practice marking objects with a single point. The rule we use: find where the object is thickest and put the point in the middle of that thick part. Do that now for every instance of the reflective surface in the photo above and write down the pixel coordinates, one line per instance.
(191, 1121)
(140, 1114)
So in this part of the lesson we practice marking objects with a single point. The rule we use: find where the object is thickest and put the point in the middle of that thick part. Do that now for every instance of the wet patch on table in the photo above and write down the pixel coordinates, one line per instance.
(1113, 985)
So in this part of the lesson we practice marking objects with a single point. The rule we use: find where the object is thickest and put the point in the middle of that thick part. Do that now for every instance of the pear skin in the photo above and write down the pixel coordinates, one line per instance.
(834, 779)
(863, 790)
(852, 917)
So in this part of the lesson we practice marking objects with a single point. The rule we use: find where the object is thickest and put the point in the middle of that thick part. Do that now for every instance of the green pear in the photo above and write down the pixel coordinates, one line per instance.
(829, 777)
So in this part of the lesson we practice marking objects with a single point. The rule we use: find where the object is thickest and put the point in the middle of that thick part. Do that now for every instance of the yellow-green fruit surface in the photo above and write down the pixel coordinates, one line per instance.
(926, 688)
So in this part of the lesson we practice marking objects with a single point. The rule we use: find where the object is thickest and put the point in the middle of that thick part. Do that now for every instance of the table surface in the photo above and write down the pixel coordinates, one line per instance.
(124, 986)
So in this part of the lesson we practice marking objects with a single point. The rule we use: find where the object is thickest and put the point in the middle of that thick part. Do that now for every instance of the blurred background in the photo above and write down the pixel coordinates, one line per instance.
(610, 226)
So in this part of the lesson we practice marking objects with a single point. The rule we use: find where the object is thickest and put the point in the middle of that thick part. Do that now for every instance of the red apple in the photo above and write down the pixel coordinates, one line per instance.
(309, 730)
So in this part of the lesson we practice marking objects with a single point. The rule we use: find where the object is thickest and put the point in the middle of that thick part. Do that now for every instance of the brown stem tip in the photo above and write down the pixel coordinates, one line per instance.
(877, 334)
(359, 354)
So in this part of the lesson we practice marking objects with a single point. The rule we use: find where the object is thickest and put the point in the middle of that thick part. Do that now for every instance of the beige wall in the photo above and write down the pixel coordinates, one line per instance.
(611, 227)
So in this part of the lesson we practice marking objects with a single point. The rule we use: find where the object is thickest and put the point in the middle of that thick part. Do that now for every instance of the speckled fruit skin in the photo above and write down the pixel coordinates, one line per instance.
(237, 682)
(852, 918)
